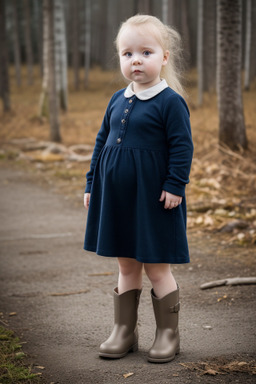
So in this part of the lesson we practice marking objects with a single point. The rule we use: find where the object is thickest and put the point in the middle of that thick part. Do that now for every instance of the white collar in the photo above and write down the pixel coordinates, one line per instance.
(147, 93)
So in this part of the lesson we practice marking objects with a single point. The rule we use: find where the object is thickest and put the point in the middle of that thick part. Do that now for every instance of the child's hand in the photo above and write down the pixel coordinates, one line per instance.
(171, 201)
(87, 200)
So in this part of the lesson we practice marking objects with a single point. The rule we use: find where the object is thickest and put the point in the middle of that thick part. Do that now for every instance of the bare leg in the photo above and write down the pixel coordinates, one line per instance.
(161, 279)
(130, 274)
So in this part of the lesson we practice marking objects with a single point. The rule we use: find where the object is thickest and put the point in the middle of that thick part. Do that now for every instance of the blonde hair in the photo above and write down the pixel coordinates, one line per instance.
(169, 39)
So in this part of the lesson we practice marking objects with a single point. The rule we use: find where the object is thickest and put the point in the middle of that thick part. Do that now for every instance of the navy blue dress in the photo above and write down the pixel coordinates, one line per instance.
(144, 146)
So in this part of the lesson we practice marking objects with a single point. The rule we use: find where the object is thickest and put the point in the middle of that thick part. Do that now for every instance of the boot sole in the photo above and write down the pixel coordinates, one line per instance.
(166, 360)
(134, 348)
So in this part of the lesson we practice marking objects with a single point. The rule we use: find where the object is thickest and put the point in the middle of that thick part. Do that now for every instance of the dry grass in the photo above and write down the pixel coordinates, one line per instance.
(222, 366)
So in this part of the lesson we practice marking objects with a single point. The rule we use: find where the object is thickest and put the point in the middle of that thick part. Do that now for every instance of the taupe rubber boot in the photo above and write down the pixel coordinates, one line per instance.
(124, 337)
(167, 341)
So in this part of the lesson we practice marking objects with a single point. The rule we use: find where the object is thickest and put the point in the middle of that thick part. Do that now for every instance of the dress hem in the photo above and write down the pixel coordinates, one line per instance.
(105, 254)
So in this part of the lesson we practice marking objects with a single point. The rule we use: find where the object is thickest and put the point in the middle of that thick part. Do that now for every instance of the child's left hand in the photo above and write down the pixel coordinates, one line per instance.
(171, 201)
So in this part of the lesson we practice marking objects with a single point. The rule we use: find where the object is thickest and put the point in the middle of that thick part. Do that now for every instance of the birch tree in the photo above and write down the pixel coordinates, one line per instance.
(60, 54)
(229, 56)
(165, 11)
(43, 101)
(53, 96)
(49, 96)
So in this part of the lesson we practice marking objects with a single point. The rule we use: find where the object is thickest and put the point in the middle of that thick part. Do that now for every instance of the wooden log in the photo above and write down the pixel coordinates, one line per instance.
(229, 281)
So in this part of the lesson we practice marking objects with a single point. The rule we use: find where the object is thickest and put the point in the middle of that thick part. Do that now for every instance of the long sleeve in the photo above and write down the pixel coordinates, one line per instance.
(180, 145)
(99, 144)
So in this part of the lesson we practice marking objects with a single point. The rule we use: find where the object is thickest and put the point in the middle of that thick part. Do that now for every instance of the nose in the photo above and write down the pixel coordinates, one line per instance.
(136, 60)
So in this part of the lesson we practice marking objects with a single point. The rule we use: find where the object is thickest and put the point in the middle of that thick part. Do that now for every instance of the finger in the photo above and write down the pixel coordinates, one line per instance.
(167, 203)
(163, 194)
(173, 204)
(86, 202)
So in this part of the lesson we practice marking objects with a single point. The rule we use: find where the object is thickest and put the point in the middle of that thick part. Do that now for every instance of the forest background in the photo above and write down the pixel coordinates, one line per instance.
(59, 69)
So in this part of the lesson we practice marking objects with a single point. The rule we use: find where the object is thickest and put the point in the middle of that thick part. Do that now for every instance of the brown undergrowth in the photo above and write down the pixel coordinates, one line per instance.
(221, 366)
(222, 192)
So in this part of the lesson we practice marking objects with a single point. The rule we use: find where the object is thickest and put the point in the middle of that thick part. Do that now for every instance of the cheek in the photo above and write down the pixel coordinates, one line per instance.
(124, 65)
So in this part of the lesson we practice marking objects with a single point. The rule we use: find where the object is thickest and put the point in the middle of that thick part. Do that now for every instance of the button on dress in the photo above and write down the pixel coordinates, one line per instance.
(144, 146)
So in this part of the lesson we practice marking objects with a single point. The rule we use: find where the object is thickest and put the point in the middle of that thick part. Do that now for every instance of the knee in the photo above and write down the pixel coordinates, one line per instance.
(155, 273)
(129, 267)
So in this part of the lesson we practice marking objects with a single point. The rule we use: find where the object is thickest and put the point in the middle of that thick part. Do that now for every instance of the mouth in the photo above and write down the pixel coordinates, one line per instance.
(137, 71)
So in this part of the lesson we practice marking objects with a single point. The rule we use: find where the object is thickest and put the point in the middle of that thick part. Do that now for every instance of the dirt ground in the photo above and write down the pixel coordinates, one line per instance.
(58, 298)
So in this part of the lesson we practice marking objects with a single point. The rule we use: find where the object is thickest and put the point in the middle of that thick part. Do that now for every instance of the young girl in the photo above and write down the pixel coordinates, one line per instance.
(135, 188)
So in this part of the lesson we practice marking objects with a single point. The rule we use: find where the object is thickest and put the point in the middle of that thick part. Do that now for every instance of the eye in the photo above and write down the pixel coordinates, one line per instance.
(128, 54)
(147, 53)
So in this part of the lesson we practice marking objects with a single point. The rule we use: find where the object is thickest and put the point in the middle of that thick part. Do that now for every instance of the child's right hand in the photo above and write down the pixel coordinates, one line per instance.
(87, 200)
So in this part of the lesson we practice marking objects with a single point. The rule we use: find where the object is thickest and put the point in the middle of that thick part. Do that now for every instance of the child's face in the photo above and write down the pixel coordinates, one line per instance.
(141, 57)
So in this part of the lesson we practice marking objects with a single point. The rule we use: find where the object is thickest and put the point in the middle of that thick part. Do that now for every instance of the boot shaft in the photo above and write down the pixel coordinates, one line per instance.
(126, 307)
(166, 310)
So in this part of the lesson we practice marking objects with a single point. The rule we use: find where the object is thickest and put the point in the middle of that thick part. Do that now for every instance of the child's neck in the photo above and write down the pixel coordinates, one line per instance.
(142, 87)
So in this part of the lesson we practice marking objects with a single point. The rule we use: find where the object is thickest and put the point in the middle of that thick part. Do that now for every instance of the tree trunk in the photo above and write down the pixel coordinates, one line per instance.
(29, 54)
(75, 43)
(200, 51)
(16, 40)
(4, 76)
(229, 56)
(165, 11)
(185, 31)
(38, 21)
(174, 14)
(87, 49)
(248, 39)
(60, 54)
(144, 6)
(53, 96)
(253, 46)
(108, 33)
(43, 102)
(210, 46)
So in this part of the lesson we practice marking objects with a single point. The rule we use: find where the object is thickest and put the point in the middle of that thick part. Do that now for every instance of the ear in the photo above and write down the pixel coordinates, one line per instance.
(166, 57)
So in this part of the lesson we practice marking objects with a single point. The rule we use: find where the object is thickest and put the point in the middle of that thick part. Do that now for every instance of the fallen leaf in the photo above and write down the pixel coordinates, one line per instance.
(210, 371)
(199, 220)
(19, 355)
(241, 363)
(208, 220)
(39, 367)
(221, 212)
(222, 298)
(13, 314)
(125, 375)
